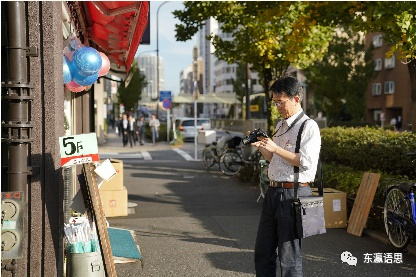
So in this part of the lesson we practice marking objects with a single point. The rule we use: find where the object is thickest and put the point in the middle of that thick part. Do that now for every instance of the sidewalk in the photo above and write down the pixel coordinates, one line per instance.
(114, 144)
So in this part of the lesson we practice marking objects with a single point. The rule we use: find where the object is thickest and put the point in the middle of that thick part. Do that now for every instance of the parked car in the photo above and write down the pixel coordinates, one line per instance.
(187, 127)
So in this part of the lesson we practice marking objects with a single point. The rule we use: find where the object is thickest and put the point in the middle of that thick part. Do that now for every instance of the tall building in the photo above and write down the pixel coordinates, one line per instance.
(388, 94)
(148, 66)
(218, 74)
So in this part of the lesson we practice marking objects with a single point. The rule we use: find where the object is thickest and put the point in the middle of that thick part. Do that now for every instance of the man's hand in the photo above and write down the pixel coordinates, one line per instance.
(268, 144)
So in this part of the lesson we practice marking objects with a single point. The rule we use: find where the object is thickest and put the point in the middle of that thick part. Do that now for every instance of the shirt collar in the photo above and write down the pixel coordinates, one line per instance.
(290, 120)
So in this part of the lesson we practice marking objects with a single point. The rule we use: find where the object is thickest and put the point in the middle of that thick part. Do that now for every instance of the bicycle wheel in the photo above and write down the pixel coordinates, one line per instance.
(397, 217)
(208, 157)
(231, 163)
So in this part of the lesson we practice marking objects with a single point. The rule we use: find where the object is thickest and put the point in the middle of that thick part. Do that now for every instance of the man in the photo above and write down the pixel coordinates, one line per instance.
(277, 229)
(141, 128)
(154, 126)
(124, 128)
(131, 131)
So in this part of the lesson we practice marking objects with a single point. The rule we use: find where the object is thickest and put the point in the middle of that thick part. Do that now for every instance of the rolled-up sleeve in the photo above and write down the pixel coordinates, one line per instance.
(310, 148)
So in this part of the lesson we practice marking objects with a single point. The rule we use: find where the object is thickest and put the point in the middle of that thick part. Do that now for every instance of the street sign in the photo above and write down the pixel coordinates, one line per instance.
(78, 149)
(165, 95)
(167, 104)
(254, 108)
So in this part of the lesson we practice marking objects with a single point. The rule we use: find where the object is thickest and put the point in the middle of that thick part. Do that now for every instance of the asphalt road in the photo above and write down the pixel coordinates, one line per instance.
(193, 222)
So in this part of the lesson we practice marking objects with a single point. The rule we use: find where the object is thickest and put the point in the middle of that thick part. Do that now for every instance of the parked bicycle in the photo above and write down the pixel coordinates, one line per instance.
(400, 212)
(231, 163)
(212, 152)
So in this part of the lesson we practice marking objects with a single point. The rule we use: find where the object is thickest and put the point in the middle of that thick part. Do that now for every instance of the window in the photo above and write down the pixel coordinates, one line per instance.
(389, 63)
(378, 41)
(376, 89)
(377, 64)
(389, 87)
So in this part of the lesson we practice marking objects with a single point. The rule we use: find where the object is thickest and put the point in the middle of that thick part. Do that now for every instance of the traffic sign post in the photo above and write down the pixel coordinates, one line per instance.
(166, 99)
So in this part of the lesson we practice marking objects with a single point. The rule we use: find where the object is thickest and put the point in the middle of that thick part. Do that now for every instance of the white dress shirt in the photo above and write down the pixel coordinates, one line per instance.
(279, 169)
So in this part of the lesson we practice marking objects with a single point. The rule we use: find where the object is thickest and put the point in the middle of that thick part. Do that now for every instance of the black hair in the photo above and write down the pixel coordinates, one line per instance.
(288, 85)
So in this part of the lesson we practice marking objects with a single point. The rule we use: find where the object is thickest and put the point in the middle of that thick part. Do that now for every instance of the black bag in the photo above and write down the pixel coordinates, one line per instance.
(309, 211)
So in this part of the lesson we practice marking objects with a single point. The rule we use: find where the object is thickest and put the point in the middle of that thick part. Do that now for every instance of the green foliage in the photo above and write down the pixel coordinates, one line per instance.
(269, 35)
(347, 153)
(369, 149)
(340, 80)
(130, 95)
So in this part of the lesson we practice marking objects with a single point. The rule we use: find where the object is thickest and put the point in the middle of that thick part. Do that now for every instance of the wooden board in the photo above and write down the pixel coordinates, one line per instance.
(99, 218)
(362, 204)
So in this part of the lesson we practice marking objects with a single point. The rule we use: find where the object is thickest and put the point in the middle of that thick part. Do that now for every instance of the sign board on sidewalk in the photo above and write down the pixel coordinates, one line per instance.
(78, 149)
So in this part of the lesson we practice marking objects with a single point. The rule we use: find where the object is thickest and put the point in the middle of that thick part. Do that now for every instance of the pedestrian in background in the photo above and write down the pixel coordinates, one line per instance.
(141, 128)
(119, 130)
(154, 126)
(277, 226)
(132, 131)
(124, 128)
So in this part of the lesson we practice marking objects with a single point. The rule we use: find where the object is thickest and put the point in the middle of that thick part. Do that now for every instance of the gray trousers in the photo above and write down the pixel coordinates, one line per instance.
(277, 233)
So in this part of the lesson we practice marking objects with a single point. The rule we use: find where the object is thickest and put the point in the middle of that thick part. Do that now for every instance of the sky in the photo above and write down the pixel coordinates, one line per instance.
(176, 55)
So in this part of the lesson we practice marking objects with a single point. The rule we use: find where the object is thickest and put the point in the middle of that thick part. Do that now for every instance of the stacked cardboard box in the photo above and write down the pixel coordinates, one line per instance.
(335, 207)
(114, 193)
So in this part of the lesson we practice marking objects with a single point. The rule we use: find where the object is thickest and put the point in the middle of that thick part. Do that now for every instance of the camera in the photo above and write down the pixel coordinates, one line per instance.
(252, 137)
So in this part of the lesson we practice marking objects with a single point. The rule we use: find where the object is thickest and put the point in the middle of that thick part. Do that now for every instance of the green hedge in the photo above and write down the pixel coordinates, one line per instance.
(347, 153)
(369, 149)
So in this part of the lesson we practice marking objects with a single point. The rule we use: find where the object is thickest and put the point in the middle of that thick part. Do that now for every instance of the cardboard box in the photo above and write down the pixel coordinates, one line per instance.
(207, 137)
(335, 207)
(115, 183)
(114, 202)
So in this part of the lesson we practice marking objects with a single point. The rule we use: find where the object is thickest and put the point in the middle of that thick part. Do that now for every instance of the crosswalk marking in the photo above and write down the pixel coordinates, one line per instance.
(124, 156)
(185, 155)
(146, 155)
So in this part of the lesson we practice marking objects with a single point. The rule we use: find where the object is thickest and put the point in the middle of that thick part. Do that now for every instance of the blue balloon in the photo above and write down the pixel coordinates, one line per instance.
(87, 60)
(68, 70)
(85, 80)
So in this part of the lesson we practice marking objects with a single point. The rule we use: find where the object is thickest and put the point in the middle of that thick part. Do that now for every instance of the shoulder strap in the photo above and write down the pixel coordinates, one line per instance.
(296, 168)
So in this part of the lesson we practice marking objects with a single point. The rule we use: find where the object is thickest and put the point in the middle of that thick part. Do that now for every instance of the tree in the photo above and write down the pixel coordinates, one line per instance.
(130, 95)
(396, 19)
(271, 36)
(339, 82)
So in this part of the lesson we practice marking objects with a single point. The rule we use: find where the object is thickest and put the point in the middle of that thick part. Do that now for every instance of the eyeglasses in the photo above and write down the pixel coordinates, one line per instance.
(279, 103)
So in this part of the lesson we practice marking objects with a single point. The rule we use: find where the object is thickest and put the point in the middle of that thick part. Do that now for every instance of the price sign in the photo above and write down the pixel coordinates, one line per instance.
(78, 149)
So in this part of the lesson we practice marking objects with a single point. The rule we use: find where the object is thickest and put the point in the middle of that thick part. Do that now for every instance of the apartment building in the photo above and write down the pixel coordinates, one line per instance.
(388, 94)
(148, 66)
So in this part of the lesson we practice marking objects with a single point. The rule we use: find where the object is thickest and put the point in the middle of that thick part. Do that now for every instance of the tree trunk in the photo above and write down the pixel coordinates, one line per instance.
(412, 71)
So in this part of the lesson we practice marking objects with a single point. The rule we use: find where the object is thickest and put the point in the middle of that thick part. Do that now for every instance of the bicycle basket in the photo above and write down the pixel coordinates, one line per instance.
(234, 142)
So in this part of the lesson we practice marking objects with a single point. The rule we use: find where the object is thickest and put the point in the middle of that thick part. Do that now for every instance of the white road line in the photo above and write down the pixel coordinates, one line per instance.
(121, 155)
(146, 155)
(185, 155)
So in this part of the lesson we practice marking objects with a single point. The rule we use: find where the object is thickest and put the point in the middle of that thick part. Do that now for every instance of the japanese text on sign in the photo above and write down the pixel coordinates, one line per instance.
(78, 149)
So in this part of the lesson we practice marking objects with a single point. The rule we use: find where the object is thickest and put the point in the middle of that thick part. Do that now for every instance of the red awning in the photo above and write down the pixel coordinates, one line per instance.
(114, 28)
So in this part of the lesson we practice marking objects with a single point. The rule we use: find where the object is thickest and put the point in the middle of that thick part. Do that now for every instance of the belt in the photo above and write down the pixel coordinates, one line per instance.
(286, 185)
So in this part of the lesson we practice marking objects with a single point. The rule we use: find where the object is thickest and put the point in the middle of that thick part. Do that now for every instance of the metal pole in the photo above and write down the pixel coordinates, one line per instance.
(195, 94)
(16, 125)
(16, 92)
(157, 57)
